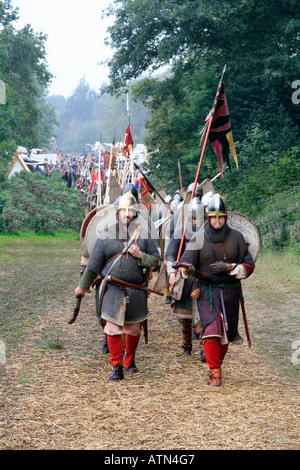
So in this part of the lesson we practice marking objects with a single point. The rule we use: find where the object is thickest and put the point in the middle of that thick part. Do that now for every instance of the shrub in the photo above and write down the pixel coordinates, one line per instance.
(32, 202)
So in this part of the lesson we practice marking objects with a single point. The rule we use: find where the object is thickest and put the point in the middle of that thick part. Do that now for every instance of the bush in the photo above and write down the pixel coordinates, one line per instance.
(32, 202)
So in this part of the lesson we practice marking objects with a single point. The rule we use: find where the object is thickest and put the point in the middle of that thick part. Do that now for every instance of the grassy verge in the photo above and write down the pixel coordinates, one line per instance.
(36, 273)
(272, 304)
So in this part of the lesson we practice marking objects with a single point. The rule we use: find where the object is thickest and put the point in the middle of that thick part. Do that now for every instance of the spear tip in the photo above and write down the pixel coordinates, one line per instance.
(224, 70)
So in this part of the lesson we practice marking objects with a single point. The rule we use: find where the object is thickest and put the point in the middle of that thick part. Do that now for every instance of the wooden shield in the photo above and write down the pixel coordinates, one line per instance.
(85, 224)
(238, 221)
(105, 219)
(207, 186)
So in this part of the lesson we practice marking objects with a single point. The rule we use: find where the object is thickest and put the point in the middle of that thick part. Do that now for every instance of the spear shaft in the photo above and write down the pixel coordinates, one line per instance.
(212, 114)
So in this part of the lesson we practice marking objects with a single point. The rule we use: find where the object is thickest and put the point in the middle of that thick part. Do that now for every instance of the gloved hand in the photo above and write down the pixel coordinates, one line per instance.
(220, 267)
(188, 270)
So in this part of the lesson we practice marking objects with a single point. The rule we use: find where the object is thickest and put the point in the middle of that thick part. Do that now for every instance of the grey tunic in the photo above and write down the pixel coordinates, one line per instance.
(182, 308)
(122, 305)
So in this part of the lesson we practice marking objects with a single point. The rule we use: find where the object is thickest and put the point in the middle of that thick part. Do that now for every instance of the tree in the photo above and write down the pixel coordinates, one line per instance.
(86, 115)
(24, 71)
(259, 43)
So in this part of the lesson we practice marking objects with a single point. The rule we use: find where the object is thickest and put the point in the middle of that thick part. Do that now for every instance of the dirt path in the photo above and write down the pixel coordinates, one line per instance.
(57, 397)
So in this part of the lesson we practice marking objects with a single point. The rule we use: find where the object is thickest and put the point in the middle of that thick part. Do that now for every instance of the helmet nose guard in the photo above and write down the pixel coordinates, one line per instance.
(128, 202)
(217, 207)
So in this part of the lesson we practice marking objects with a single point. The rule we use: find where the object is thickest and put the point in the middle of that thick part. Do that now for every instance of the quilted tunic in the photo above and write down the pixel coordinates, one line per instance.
(122, 305)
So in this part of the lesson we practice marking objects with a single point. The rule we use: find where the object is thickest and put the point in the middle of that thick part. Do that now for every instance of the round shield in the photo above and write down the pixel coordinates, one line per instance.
(105, 220)
(238, 221)
(85, 224)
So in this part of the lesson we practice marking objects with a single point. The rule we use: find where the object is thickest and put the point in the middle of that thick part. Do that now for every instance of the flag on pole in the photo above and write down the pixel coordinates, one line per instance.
(128, 143)
(146, 196)
(205, 131)
(106, 160)
(220, 135)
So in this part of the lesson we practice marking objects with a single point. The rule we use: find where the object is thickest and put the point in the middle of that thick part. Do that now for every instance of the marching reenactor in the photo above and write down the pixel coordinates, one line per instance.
(218, 256)
(182, 306)
(122, 256)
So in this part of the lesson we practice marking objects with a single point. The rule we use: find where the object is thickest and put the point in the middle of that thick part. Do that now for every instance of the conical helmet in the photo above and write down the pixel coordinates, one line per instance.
(216, 207)
(127, 201)
(196, 210)
(198, 190)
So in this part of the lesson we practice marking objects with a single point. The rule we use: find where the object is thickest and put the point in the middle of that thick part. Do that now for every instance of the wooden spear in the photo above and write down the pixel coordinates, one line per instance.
(212, 114)
(99, 194)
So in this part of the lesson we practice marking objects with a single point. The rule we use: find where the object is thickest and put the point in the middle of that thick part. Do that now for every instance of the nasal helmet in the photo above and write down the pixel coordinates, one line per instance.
(198, 190)
(217, 207)
(196, 211)
(127, 201)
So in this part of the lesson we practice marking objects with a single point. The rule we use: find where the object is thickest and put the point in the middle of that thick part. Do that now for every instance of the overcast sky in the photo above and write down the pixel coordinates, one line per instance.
(75, 43)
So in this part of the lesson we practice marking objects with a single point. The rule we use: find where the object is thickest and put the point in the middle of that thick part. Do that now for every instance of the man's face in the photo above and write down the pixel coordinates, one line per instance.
(217, 224)
(125, 219)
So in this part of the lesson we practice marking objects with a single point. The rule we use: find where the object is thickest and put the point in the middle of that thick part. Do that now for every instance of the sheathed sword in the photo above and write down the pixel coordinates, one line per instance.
(129, 285)
(244, 314)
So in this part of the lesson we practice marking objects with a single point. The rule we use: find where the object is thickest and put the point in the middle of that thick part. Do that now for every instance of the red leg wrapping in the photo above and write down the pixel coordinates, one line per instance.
(131, 344)
(115, 345)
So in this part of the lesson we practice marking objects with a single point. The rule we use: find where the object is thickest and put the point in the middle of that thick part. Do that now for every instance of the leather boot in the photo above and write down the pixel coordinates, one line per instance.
(215, 377)
(132, 368)
(105, 349)
(117, 373)
(202, 355)
(187, 350)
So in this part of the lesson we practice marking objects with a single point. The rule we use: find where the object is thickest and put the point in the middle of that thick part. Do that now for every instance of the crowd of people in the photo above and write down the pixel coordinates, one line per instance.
(81, 172)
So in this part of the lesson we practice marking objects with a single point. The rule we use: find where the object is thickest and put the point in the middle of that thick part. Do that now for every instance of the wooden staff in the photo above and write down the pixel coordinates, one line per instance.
(212, 114)
(179, 170)
(99, 193)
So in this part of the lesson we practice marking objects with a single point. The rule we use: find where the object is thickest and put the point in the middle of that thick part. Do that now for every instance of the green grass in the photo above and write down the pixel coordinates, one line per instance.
(36, 274)
(275, 323)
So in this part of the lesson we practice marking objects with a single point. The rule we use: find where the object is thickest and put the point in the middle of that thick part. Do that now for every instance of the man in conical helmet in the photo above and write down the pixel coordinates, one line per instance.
(198, 190)
(182, 307)
(122, 308)
(216, 208)
(221, 259)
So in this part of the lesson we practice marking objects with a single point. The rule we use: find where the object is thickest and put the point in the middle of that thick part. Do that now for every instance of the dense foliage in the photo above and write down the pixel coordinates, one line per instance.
(87, 116)
(25, 117)
(259, 43)
(35, 203)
